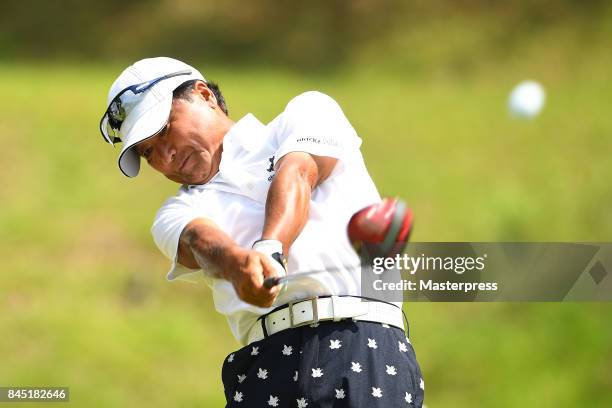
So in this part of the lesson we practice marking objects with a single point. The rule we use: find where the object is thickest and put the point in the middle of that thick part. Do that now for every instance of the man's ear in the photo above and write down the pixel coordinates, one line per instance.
(203, 91)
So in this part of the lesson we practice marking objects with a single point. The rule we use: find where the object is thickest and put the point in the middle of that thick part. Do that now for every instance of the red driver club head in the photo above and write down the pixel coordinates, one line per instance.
(381, 229)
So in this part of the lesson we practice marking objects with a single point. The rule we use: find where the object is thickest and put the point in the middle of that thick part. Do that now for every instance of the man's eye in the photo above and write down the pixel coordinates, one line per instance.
(164, 131)
(147, 153)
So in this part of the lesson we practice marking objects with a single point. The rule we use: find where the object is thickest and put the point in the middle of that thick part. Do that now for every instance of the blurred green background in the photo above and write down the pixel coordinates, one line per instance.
(83, 301)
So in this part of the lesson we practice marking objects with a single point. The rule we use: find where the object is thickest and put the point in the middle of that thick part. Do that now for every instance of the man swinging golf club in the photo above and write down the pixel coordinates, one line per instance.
(260, 202)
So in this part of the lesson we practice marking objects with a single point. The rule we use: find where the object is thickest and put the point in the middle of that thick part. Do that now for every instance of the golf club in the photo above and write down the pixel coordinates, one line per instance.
(395, 240)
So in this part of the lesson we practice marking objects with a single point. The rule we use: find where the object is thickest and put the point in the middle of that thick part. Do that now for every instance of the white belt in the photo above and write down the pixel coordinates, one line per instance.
(334, 308)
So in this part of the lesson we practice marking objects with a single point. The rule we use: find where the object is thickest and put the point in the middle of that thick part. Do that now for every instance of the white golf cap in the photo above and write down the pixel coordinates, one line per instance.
(145, 112)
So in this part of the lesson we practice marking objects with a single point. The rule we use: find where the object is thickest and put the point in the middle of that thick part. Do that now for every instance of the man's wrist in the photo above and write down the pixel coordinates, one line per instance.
(273, 248)
(268, 246)
(232, 260)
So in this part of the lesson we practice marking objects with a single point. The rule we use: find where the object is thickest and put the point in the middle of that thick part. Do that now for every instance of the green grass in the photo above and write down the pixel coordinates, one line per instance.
(83, 302)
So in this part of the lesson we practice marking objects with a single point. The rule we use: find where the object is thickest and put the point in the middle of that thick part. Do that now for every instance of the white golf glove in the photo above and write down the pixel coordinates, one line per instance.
(273, 249)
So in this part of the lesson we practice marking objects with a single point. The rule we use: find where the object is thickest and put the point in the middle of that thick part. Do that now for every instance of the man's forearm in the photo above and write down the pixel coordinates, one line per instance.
(204, 245)
(288, 203)
(209, 247)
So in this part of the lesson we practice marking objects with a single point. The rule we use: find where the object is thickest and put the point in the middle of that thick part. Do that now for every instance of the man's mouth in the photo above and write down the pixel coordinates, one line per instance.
(185, 160)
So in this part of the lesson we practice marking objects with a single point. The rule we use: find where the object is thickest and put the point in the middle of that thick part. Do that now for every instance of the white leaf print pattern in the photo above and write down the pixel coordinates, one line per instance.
(317, 372)
(273, 401)
(262, 373)
(335, 344)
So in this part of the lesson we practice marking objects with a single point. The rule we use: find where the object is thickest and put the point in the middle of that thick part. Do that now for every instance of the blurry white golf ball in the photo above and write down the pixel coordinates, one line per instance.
(527, 99)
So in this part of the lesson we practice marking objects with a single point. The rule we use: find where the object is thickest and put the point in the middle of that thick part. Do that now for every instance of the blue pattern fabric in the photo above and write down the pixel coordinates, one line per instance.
(330, 364)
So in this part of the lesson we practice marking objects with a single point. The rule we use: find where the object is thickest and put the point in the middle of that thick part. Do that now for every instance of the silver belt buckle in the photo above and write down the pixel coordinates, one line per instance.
(315, 312)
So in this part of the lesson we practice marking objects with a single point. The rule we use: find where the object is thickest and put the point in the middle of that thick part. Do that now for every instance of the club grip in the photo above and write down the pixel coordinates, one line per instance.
(271, 282)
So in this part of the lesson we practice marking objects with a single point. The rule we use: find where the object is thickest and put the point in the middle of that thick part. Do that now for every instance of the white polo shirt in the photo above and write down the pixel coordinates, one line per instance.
(235, 198)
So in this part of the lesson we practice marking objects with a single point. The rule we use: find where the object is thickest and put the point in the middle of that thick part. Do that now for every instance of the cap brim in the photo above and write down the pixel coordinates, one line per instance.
(145, 126)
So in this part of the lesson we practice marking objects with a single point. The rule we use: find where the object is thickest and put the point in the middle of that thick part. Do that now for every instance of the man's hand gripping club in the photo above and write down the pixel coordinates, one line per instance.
(203, 245)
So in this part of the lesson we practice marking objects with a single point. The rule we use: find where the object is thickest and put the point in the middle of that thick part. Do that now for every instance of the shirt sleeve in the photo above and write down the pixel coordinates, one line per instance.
(170, 220)
(314, 123)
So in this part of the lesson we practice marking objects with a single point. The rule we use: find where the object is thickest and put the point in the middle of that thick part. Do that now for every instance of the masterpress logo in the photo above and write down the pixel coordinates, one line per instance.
(412, 264)
(491, 271)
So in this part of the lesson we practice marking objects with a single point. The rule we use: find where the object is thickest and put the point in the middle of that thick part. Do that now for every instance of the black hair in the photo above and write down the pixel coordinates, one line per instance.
(184, 92)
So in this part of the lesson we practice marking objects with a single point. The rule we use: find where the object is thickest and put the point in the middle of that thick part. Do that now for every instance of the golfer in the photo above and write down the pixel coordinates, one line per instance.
(262, 200)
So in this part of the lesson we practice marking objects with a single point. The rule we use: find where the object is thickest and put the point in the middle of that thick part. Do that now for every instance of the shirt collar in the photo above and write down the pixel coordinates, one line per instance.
(247, 133)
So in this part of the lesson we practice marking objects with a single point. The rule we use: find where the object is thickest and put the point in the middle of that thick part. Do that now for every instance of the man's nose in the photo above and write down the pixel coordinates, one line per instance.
(167, 153)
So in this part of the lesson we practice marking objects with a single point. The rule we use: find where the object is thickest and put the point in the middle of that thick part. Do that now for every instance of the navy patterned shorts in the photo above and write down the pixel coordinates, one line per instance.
(329, 364)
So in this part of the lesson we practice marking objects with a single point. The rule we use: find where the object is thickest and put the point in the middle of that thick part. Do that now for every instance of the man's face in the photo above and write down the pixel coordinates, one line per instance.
(188, 149)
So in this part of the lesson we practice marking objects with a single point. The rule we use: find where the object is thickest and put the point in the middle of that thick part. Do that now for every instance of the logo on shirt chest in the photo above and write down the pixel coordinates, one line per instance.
(271, 160)
(271, 168)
